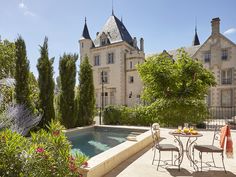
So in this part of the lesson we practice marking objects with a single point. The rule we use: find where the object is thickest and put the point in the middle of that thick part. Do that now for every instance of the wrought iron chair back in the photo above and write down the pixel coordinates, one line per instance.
(216, 136)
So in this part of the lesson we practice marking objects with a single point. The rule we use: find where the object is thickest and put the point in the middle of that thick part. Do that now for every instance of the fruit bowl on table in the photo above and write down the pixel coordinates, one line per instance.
(194, 132)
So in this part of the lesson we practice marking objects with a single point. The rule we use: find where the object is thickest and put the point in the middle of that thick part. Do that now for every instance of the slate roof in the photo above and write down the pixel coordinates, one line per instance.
(115, 30)
(85, 34)
(190, 50)
(173, 53)
(196, 39)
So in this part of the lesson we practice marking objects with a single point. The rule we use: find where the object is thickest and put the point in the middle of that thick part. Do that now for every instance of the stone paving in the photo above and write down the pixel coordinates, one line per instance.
(140, 165)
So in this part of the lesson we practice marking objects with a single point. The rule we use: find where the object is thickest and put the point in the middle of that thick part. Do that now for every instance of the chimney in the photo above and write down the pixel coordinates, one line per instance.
(215, 25)
(135, 42)
(141, 44)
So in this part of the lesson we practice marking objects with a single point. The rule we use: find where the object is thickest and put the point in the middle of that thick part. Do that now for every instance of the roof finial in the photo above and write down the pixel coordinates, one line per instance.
(85, 19)
(195, 24)
(112, 8)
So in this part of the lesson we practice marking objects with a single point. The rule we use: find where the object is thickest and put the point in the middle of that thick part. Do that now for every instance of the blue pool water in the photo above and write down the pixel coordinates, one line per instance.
(98, 140)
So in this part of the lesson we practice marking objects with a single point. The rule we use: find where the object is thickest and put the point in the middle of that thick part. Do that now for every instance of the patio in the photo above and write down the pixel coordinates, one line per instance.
(140, 165)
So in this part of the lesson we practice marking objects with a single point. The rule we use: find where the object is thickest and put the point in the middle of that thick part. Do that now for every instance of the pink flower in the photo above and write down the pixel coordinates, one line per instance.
(40, 150)
(72, 167)
(71, 158)
(85, 164)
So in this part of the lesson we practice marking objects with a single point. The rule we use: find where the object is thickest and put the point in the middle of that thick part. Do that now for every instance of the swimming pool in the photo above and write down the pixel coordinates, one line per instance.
(107, 146)
(98, 140)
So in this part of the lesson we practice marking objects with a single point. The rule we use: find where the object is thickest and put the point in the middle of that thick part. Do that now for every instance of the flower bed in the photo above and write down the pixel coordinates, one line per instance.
(46, 153)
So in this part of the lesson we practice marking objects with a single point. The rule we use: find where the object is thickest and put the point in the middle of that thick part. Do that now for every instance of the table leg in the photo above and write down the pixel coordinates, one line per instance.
(181, 151)
(189, 148)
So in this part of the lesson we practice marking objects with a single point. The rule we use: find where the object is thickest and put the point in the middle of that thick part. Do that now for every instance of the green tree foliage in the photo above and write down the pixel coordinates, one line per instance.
(67, 70)
(175, 90)
(22, 89)
(7, 59)
(86, 98)
(34, 92)
(46, 84)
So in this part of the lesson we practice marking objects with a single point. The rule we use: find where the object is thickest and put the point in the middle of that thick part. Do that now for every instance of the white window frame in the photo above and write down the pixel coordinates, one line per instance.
(224, 54)
(96, 60)
(227, 76)
(105, 77)
(131, 65)
(207, 56)
(110, 58)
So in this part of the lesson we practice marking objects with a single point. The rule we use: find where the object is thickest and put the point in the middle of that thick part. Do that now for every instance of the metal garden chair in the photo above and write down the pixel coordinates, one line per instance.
(213, 149)
(162, 147)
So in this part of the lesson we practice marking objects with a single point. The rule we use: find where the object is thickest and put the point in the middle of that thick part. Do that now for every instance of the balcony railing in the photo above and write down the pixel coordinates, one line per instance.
(220, 116)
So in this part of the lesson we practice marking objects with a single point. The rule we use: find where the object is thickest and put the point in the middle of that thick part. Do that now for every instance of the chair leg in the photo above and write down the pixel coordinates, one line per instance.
(193, 154)
(172, 157)
(213, 159)
(159, 160)
(201, 160)
(222, 154)
(154, 155)
(179, 161)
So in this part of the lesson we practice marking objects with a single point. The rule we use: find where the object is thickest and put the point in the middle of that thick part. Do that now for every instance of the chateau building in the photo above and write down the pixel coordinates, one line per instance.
(217, 54)
(114, 55)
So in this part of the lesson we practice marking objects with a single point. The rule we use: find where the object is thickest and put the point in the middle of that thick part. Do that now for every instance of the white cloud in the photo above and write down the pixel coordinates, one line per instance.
(22, 5)
(25, 9)
(230, 31)
(29, 13)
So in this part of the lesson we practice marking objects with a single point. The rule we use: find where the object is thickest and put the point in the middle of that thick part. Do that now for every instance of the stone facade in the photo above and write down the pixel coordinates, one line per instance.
(114, 55)
(218, 54)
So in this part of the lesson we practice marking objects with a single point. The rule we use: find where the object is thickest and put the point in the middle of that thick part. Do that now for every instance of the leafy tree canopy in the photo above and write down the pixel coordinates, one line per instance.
(184, 78)
(176, 89)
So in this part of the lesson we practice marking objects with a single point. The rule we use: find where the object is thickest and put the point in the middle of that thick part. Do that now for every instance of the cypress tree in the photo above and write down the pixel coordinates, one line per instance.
(46, 84)
(86, 98)
(67, 70)
(22, 89)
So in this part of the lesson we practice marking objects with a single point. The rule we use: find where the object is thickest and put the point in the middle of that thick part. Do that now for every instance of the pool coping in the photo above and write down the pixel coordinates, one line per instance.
(104, 162)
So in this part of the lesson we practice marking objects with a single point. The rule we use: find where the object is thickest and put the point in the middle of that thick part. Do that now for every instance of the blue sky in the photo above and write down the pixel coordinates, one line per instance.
(164, 24)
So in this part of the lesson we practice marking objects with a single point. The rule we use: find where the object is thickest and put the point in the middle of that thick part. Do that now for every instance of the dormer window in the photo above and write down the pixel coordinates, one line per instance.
(103, 39)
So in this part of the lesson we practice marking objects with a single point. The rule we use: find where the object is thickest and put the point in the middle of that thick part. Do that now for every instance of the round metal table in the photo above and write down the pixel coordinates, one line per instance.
(191, 140)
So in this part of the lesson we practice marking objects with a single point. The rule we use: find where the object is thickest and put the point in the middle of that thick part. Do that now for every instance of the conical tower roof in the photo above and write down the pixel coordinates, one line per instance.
(196, 39)
(85, 34)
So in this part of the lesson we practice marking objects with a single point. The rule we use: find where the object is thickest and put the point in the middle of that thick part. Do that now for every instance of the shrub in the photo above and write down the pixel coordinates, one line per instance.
(47, 153)
(12, 147)
(121, 115)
